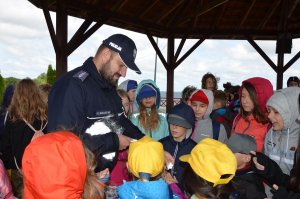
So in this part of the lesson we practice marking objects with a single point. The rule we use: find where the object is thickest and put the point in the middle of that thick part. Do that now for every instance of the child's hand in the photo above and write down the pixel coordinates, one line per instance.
(254, 159)
(169, 178)
(169, 158)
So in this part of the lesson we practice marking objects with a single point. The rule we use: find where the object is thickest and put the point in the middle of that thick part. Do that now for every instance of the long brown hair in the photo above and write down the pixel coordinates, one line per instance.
(93, 188)
(257, 112)
(148, 121)
(194, 184)
(27, 102)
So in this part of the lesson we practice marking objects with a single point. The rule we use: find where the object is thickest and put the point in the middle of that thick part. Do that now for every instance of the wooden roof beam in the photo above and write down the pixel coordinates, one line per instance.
(117, 7)
(219, 18)
(207, 8)
(292, 8)
(247, 13)
(50, 27)
(149, 7)
(178, 15)
(270, 13)
(178, 3)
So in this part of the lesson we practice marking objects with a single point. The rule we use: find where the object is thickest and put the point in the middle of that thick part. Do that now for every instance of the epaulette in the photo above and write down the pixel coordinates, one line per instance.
(82, 75)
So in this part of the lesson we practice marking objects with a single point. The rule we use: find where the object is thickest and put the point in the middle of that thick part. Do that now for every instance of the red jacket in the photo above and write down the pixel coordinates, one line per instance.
(264, 90)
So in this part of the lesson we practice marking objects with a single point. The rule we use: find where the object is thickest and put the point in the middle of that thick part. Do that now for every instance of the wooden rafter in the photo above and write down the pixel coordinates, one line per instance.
(247, 13)
(219, 18)
(211, 5)
(292, 8)
(120, 5)
(179, 48)
(178, 16)
(170, 10)
(149, 7)
(157, 50)
(269, 14)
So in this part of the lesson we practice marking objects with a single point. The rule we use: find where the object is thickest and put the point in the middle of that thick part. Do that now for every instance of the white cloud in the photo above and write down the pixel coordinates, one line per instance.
(26, 50)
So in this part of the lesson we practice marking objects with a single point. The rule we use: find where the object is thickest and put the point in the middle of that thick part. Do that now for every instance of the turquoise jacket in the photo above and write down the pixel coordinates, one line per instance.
(163, 127)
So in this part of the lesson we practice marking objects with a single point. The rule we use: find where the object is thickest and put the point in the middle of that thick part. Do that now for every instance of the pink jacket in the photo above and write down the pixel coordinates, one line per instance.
(5, 186)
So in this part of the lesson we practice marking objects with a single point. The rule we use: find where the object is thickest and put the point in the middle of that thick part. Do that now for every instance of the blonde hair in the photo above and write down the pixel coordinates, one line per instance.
(148, 121)
(27, 102)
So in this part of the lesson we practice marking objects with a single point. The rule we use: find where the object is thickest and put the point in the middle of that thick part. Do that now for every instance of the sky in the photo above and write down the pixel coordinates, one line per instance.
(26, 50)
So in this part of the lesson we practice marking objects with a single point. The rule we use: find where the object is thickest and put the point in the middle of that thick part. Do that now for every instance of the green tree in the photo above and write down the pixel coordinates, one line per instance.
(41, 79)
(2, 87)
(51, 75)
(11, 80)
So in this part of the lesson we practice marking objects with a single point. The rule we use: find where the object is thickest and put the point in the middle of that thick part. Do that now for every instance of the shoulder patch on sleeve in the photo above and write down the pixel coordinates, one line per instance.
(82, 75)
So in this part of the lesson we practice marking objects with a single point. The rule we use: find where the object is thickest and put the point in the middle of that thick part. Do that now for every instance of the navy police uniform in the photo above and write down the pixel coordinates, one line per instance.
(81, 98)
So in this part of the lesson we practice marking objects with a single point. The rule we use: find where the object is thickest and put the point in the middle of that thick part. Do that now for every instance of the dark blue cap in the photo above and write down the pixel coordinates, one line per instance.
(126, 49)
(182, 115)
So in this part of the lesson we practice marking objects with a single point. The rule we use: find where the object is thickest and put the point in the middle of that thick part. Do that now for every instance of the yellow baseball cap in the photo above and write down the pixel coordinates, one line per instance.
(210, 159)
(147, 156)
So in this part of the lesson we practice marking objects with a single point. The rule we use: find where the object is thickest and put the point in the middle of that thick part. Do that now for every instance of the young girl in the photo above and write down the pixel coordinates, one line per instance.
(211, 167)
(125, 101)
(148, 119)
(27, 118)
(209, 81)
(252, 119)
(58, 165)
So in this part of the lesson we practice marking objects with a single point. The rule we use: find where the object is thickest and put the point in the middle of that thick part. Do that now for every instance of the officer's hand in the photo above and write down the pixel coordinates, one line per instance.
(124, 141)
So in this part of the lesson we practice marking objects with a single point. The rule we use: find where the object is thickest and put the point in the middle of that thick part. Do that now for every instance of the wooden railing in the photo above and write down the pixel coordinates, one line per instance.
(163, 102)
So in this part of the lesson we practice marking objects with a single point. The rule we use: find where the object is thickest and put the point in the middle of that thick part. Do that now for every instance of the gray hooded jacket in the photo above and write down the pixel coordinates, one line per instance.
(204, 127)
(280, 146)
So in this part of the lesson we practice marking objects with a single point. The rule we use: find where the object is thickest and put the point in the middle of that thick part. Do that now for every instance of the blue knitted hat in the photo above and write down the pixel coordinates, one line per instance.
(146, 91)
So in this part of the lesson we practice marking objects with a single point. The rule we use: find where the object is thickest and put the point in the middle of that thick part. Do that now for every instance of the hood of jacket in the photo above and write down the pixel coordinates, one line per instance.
(54, 166)
(210, 96)
(140, 85)
(144, 190)
(263, 89)
(285, 101)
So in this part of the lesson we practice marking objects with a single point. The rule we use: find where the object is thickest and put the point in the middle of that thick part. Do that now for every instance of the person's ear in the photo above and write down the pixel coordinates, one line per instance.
(105, 55)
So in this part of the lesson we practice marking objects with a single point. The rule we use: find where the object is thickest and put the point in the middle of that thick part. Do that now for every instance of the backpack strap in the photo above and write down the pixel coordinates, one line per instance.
(37, 133)
(216, 129)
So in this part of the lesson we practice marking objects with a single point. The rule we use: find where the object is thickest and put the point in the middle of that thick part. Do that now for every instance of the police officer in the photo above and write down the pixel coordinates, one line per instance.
(85, 100)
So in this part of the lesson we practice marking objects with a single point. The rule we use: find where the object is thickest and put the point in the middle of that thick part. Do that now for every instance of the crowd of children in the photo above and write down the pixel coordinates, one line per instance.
(238, 143)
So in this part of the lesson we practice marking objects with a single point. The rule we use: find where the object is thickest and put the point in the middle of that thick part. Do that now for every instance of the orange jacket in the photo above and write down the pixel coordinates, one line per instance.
(253, 128)
(54, 166)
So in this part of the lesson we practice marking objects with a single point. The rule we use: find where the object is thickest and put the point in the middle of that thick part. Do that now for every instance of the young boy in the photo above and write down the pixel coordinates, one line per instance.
(146, 163)
(181, 121)
(247, 183)
(221, 113)
(201, 102)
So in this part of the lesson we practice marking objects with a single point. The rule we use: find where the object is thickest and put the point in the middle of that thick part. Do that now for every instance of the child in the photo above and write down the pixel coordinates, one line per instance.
(221, 113)
(211, 166)
(5, 186)
(148, 119)
(247, 183)
(119, 172)
(57, 165)
(201, 102)
(293, 82)
(146, 163)
(125, 101)
(281, 140)
(181, 123)
(209, 82)
(26, 120)
(252, 119)
(284, 186)
(186, 93)
(130, 86)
